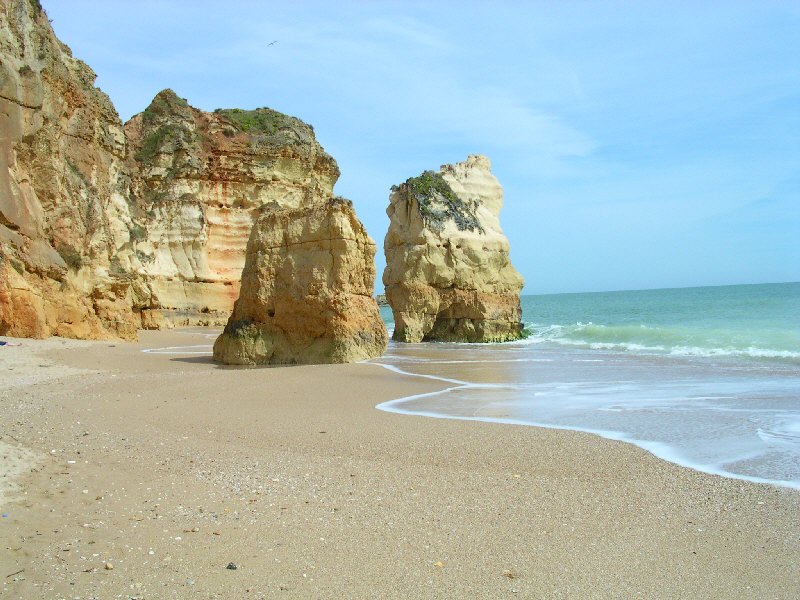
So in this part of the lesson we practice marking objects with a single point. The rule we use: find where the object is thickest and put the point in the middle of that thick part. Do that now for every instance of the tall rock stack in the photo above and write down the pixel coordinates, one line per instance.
(307, 291)
(199, 180)
(448, 274)
(64, 212)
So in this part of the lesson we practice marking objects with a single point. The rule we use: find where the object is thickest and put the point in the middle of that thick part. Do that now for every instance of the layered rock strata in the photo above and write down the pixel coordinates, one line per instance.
(105, 229)
(448, 274)
(307, 291)
(199, 179)
(65, 253)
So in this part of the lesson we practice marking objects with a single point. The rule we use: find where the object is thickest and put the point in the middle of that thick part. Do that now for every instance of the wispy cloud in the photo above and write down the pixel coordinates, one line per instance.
(624, 133)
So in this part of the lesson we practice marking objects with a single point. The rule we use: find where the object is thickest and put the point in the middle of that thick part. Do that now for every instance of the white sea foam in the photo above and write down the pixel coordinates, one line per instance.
(434, 377)
(786, 438)
(674, 340)
(735, 459)
(749, 352)
(204, 349)
(487, 361)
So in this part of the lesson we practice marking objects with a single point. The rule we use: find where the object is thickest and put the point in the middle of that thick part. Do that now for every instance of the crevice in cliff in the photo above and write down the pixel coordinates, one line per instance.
(19, 103)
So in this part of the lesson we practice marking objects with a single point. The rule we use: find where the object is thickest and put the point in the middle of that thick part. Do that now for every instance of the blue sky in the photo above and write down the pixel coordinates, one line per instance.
(640, 144)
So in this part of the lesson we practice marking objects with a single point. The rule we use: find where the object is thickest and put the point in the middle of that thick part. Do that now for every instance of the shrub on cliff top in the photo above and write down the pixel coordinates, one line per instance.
(165, 103)
(438, 203)
(260, 120)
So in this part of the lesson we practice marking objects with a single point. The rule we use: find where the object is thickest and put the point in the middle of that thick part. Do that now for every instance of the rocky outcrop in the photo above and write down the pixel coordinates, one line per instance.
(64, 213)
(307, 291)
(104, 229)
(448, 275)
(199, 179)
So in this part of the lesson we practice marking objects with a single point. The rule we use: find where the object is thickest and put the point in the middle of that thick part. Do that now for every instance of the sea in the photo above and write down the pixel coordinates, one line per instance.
(705, 377)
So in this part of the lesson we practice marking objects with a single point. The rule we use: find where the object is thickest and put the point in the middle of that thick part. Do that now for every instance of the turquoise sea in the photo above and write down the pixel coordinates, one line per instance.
(705, 377)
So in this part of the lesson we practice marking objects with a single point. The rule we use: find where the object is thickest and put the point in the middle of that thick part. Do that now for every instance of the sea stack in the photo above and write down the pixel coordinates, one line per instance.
(448, 274)
(199, 179)
(307, 290)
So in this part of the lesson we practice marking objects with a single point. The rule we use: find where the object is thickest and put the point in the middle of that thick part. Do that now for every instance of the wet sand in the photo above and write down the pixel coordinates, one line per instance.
(145, 475)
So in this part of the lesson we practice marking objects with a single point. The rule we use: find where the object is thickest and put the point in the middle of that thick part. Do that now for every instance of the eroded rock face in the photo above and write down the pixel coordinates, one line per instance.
(104, 229)
(448, 275)
(199, 179)
(307, 291)
(64, 212)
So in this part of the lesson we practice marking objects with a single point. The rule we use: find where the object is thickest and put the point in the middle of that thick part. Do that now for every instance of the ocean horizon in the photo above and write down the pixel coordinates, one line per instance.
(705, 377)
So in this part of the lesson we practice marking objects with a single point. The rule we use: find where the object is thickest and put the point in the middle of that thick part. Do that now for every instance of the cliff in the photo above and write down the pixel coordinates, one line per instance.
(448, 274)
(64, 190)
(199, 179)
(105, 229)
(306, 293)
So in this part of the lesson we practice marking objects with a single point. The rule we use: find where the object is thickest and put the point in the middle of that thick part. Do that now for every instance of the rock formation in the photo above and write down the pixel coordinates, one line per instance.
(307, 290)
(199, 179)
(105, 229)
(448, 274)
(64, 213)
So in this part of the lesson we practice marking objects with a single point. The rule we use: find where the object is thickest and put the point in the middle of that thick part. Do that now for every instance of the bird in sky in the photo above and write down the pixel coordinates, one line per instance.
(272, 43)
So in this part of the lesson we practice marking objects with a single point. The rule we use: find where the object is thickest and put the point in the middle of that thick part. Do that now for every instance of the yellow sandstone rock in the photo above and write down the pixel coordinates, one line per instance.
(64, 215)
(448, 274)
(307, 291)
(199, 180)
(105, 229)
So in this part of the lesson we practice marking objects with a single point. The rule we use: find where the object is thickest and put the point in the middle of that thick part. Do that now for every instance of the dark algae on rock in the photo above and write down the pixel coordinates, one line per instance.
(438, 203)
(448, 274)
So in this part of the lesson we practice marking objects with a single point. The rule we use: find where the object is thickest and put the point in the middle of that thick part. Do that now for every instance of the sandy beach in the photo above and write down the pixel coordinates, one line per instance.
(145, 475)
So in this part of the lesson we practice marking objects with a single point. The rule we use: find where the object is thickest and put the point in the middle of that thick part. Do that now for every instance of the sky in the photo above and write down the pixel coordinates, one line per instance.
(639, 144)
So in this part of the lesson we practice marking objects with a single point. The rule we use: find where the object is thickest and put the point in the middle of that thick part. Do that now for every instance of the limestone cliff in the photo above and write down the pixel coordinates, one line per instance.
(307, 291)
(104, 229)
(64, 215)
(448, 275)
(199, 179)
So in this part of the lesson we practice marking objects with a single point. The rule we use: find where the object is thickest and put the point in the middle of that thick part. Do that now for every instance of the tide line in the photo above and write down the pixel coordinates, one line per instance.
(207, 350)
(661, 450)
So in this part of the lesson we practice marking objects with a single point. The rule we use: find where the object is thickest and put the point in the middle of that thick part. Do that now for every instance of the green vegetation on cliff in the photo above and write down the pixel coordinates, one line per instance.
(261, 120)
(151, 145)
(165, 103)
(70, 256)
(438, 203)
(161, 125)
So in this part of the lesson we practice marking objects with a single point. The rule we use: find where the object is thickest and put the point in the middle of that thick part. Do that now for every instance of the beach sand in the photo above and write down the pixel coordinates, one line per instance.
(143, 475)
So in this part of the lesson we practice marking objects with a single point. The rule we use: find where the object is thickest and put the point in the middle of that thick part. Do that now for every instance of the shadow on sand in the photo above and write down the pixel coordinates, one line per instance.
(209, 360)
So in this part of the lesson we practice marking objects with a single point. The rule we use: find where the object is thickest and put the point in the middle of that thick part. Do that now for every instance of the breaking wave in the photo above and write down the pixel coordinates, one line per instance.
(679, 341)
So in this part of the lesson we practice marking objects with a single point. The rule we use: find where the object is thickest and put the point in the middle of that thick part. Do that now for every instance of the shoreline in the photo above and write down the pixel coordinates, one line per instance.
(657, 449)
(293, 475)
